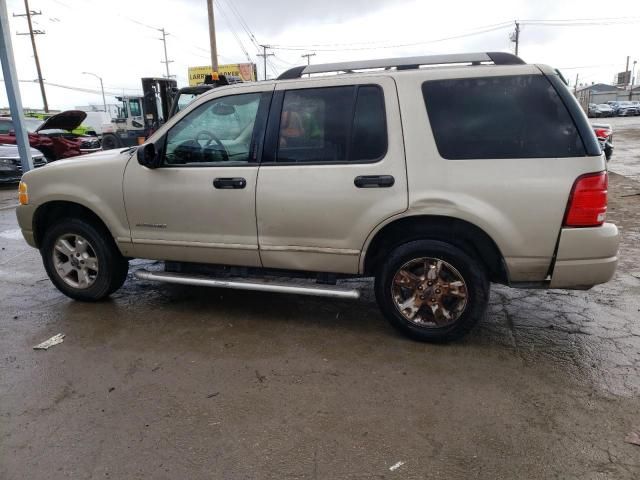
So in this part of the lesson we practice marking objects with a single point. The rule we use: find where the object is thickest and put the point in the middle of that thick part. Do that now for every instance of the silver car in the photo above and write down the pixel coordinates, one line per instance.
(10, 166)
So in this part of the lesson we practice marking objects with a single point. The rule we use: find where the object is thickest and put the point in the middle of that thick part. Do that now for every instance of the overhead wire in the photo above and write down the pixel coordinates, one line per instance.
(375, 47)
(233, 32)
(244, 25)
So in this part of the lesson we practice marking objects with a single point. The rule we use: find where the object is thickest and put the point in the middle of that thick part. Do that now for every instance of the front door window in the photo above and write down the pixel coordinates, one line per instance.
(217, 131)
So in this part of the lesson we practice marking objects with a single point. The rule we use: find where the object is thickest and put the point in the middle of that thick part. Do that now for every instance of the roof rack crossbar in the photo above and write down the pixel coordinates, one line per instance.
(404, 63)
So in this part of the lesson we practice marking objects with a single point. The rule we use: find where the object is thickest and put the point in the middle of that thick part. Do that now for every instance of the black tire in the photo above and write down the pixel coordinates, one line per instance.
(112, 266)
(470, 270)
(110, 141)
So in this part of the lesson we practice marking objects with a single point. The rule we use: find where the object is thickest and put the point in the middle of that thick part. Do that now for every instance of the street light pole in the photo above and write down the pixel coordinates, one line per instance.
(633, 72)
(104, 101)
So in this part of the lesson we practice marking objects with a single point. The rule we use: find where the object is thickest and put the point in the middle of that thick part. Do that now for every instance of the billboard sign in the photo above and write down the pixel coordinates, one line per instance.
(624, 78)
(246, 71)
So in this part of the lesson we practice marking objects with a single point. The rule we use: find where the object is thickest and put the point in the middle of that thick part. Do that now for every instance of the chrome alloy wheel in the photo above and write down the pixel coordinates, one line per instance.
(429, 292)
(75, 261)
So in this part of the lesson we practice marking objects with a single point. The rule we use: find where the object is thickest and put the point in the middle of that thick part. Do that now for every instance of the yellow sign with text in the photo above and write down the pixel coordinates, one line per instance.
(246, 71)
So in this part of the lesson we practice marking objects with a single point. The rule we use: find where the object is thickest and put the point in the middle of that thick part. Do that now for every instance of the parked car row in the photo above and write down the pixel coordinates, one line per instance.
(614, 108)
(53, 136)
(600, 110)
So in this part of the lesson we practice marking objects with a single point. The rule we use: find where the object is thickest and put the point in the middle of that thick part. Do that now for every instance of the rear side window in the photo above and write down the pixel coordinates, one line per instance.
(500, 117)
(332, 124)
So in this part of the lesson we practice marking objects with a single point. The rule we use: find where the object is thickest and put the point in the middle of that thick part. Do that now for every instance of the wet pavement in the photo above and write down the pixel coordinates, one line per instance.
(167, 382)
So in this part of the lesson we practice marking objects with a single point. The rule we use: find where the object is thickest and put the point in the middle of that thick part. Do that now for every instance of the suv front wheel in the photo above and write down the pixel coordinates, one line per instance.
(82, 261)
(432, 291)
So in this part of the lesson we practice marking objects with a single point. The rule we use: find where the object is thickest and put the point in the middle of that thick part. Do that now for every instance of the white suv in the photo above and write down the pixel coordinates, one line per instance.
(435, 175)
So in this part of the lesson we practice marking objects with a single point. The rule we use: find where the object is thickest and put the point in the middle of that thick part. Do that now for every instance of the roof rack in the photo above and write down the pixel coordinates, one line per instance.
(405, 63)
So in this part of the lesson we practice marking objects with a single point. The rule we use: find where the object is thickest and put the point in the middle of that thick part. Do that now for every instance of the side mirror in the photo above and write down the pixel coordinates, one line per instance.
(148, 156)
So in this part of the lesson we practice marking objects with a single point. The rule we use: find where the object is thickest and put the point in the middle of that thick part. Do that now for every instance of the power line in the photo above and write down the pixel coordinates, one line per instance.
(437, 40)
(272, 68)
(242, 22)
(233, 32)
(584, 20)
(281, 60)
(116, 91)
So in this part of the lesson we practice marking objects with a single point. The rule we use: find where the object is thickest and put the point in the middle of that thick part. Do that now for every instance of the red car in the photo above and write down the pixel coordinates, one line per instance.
(53, 136)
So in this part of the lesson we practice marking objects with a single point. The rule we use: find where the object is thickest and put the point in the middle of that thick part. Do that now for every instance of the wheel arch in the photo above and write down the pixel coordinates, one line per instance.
(461, 233)
(47, 213)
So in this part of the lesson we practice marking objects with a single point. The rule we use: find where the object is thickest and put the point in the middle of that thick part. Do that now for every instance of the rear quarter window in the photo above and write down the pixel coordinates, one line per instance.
(500, 117)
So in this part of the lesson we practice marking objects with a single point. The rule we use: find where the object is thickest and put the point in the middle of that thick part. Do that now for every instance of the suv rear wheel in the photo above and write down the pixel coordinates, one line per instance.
(81, 261)
(432, 291)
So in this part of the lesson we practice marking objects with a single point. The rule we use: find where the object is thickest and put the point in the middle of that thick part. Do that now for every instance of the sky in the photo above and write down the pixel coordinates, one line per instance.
(119, 40)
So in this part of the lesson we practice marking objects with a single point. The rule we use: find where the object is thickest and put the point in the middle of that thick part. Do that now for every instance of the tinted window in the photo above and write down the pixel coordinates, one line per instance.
(217, 131)
(134, 106)
(500, 117)
(333, 124)
(369, 138)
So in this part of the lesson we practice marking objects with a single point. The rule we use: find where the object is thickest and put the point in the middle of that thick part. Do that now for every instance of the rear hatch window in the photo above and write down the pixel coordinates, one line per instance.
(518, 116)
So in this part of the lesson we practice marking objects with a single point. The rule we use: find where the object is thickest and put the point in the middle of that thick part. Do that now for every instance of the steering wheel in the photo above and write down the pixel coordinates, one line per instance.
(212, 138)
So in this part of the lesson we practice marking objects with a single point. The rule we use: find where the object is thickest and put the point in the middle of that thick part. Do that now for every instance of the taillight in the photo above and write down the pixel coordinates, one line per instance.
(602, 132)
(588, 201)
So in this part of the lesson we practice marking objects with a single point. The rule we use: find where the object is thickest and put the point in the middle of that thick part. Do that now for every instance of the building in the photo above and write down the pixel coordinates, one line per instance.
(602, 93)
(597, 93)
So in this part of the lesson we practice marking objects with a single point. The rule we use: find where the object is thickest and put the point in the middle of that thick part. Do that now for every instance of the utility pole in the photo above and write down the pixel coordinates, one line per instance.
(32, 33)
(13, 90)
(515, 37)
(308, 56)
(166, 59)
(212, 37)
(633, 73)
(575, 87)
(264, 56)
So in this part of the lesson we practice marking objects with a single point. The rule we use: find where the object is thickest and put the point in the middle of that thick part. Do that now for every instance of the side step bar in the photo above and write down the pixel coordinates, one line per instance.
(241, 284)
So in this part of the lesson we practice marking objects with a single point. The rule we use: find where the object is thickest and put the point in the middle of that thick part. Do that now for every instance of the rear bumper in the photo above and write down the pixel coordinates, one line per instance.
(586, 257)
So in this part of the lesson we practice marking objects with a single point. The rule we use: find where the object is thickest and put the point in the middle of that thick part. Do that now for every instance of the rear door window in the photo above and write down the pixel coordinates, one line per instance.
(500, 117)
(332, 124)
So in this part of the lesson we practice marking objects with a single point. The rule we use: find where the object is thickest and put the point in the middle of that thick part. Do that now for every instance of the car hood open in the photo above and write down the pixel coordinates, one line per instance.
(67, 120)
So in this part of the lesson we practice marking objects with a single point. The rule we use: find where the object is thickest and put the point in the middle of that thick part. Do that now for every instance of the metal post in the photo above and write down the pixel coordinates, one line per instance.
(13, 90)
(104, 101)
(264, 56)
(32, 33)
(308, 56)
(633, 72)
(212, 36)
(166, 59)
(517, 38)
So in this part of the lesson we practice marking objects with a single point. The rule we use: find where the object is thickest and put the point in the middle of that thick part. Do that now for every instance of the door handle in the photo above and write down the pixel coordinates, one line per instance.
(229, 183)
(374, 181)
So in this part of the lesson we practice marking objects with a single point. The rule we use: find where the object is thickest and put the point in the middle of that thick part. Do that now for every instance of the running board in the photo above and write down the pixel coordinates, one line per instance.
(240, 284)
